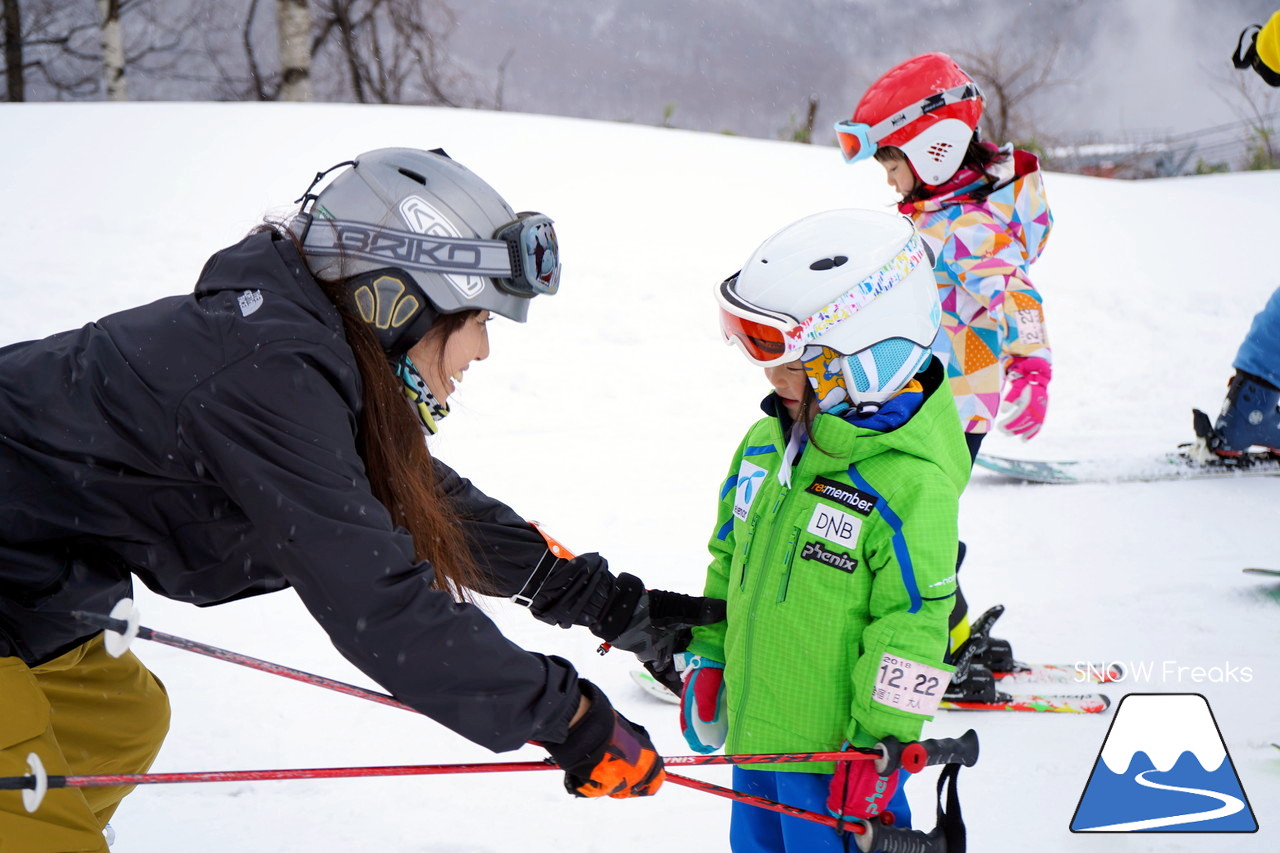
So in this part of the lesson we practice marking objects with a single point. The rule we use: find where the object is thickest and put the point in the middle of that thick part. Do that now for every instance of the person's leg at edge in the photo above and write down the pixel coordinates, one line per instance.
(84, 712)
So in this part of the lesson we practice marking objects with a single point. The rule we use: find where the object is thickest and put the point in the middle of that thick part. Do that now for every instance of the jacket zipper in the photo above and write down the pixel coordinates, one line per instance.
(788, 561)
(746, 551)
(749, 639)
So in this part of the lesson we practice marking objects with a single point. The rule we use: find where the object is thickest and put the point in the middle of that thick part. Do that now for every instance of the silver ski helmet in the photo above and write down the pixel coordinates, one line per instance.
(415, 235)
(851, 293)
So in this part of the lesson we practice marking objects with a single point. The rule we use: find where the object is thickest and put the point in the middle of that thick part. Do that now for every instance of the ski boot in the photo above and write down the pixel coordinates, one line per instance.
(983, 649)
(993, 653)
(1249, 417)
(978, 659)
(975, 684)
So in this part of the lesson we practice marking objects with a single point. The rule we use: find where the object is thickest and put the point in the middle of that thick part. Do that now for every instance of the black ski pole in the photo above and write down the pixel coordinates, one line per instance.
(916, 755)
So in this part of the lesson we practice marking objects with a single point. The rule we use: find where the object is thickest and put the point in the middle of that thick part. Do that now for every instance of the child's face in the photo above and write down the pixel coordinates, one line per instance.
(791, 383)
(901, 178)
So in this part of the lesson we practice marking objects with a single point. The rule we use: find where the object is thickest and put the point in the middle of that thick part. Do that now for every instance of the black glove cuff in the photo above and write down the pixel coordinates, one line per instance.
(589, 735)
(616, 615)
(675, 609)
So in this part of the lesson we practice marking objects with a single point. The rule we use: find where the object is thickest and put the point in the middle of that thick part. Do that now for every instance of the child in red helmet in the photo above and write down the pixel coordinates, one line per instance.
(982, 210)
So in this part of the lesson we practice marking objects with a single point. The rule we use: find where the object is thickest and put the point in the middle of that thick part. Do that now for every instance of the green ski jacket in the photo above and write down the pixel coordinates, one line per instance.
(839, 586)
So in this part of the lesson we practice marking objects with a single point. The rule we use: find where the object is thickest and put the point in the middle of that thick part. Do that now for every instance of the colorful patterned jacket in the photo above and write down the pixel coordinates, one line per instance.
(839, 587)
(990, 310)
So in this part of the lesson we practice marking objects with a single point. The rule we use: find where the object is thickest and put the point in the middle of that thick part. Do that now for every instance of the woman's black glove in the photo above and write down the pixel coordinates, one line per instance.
(607, 755)
(660, 627)
(653, 624)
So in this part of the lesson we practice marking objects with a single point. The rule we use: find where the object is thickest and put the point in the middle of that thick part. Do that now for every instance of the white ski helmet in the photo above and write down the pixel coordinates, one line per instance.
(856, 283)
(416, 235)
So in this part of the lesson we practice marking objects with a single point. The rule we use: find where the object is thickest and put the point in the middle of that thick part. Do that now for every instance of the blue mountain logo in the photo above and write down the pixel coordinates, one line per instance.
(1164, 767)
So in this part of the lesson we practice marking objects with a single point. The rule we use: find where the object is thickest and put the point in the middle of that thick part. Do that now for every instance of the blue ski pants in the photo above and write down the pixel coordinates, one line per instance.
(756, 830)
(1259, 353)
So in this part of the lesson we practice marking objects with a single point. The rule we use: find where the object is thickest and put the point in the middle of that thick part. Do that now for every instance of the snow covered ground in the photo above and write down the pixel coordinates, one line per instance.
(1149, 288)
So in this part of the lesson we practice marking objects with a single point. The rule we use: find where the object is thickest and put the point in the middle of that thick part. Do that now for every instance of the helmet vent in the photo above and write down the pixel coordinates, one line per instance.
(939, 150)
(828, 263)
(412, 175)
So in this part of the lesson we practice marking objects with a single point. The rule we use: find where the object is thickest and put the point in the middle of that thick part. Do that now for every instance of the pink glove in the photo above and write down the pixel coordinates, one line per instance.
(859, 792)
(1027, 397)
(702, 719)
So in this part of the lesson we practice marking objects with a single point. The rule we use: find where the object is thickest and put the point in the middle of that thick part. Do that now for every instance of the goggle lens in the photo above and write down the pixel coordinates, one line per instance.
(762, 343)
(542, 256)
(854, 142)
(535, 255)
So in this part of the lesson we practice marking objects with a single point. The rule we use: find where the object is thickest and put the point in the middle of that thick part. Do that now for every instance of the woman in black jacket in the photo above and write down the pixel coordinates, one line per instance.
(254, 435)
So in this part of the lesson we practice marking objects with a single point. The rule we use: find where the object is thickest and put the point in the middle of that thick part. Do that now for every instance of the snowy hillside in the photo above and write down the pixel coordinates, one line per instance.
(1148, 287)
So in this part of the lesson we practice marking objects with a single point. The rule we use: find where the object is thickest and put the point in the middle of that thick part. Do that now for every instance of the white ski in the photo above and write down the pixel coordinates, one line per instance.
(653, 687)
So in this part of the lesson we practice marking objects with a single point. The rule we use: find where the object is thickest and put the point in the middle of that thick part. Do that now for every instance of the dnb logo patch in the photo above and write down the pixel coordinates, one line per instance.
(1163, 767)
(835, 526)
(750, 479)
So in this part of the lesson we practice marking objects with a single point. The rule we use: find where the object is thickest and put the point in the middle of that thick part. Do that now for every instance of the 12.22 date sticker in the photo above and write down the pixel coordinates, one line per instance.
(909, 685)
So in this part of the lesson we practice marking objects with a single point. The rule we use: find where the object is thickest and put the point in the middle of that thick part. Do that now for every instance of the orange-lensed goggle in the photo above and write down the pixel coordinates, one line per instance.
(769, 337)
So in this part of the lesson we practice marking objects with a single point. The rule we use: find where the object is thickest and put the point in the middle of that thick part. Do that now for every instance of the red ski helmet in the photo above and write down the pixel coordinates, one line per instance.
(929, 108)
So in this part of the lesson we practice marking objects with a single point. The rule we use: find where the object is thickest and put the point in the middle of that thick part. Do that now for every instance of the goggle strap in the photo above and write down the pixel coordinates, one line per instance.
(405, 249)
(862, 294)
(800, 332)
(954, 95)
(1243, 57)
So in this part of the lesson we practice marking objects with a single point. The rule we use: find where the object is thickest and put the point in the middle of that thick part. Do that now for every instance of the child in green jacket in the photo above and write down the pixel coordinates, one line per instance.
(835, 543)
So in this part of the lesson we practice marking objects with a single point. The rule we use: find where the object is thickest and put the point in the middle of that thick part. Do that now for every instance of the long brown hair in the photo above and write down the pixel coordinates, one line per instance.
(390, 442)
(809, 412)
(397, 462)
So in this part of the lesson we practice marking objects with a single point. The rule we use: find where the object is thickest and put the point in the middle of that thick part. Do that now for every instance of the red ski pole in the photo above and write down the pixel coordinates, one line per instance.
(771, 805)
(121, 627)
(871, 836)
(38, 780)
(37, 783)
(963, 750)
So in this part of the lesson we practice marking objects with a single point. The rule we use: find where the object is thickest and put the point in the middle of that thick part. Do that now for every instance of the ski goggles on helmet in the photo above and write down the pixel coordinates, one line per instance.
(859, 140)
(523, 257)
(768, 337)
(534, 252)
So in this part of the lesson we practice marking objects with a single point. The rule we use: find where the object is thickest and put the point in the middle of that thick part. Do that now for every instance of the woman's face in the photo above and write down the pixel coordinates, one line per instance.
(441, 361)
(901, 178)
(791, 383)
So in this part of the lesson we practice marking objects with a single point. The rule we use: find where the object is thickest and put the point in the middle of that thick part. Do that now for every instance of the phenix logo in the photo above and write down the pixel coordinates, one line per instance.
(873, 800)
(839, 559)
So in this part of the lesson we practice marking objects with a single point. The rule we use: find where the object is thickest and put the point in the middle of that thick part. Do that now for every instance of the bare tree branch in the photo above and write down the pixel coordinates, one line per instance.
(393, 50)
(1010, 79)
